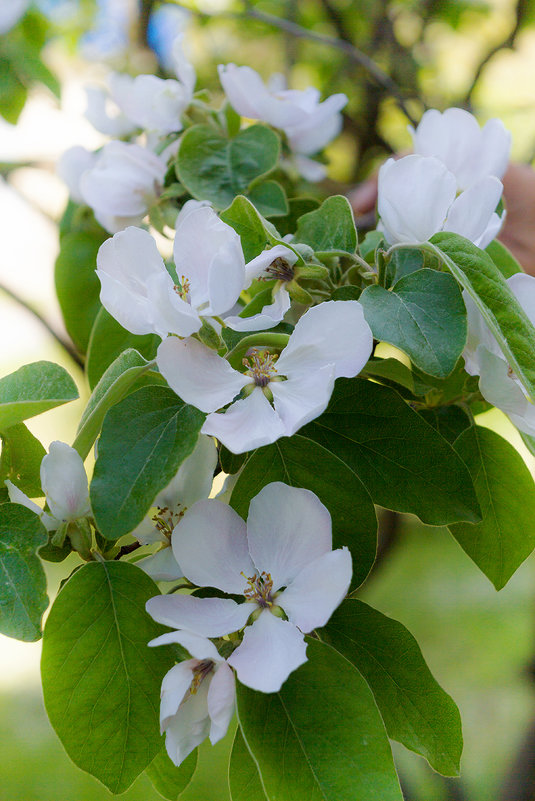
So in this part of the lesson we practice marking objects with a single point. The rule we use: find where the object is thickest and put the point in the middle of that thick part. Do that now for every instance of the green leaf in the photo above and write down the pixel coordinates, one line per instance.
(23, 597)
(300, 462)
(506, 493)
(77, 284)
(477, 273)
(331, 227)
(244, 780)
(403, 262)
(403, 462)
(449, 421)
(217, 169)
(298, 206)
(321, 737)
(108, 340)
(392, 371)
(122, 377)
(167, 779)
(231, 462)
(32, 390)
(248, 223)
(503, 259)
(101, 683)
(415, 709)
(270, 199)
(145, 438)
(423, 315)
(21, 458)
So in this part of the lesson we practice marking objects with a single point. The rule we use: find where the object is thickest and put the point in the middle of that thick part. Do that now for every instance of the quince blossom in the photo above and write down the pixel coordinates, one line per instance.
(308, 124)
(329, 341)
(483, 357)
(192, 483)
(468, 151)
(64, 482)
(198, 696)
(283, 564)
(417, 197)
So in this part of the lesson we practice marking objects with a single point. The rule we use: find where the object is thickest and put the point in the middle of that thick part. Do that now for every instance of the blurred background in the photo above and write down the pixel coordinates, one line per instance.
(480, 55)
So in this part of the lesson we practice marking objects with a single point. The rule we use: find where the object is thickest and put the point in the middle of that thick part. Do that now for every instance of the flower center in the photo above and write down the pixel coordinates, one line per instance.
(259, 588)
(260, 366)
(165, 520)
(281, 270)
(200, 671)
(182, 289)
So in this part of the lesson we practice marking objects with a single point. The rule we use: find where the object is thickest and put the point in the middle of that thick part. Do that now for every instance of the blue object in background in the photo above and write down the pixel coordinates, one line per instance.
(164, 26)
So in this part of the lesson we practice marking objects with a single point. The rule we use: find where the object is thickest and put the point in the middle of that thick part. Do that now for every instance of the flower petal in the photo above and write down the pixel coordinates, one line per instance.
(175, 685)
(190, 726)
(198, 374)
(287, 528)
(302, 398)
(247, 424)
(207, 617)
(194, 478)
(472, 211)
(199, 647)
(271, 649)
(161, 566)
(267, 318)
(64, 482)
(313, 595)
(221, 701)
(256, 268)
(210, 544)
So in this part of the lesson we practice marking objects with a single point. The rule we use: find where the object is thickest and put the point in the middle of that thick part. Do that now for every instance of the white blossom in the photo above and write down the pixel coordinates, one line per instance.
(329, 341)
(192, 483)
(64, 482)
(483, 357)
(72, 165)
(283, 564)
(468, 151)
(417, 198)
(198, 696)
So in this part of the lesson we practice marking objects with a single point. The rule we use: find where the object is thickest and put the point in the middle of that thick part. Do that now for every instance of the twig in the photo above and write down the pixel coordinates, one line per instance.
(353, 53)
(59, 339)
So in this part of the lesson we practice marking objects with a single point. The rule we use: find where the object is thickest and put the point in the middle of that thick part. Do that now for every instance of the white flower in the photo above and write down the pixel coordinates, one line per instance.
(139, 292)
(329, 341)
(417, 197)
(123, 183)
(198, 696)
(192, 483)
(72, 165)
(468, 151)
(283, 564)
(483, 357)
(10, 13)
(308, 124)
(64, 482)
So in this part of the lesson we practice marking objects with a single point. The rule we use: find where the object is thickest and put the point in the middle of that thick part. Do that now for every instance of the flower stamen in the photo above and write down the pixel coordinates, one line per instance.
(200, 671)
(183, 289)
(259, 588)
(281, 270)
(260, 366)
(165, 520)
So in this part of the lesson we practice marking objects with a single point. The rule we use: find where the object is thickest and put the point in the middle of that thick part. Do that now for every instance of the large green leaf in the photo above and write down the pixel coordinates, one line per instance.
(101, 682)
(244, 779)
(23, 597)
(122, 377)
(301, 462)
(34, 389)
(321, 737)
(215, 168)
(145, 438)
(248, 224)
(270, 199)
(403, 461)
(484, 282)
(506, 492)
(21, 458)
(503, 259)
(423, 315)
(169, 780)
(415, 709)
(77, 284)
(108, 340)
(331, 227)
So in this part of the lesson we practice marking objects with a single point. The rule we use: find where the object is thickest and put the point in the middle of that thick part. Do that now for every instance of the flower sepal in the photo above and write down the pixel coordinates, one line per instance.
(209, 336)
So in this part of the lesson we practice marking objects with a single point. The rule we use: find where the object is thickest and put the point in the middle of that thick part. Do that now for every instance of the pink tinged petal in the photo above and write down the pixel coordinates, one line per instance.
(210, 544)
(314, 594)
(198, 375)
(269, 316)
(221, 701)
(472, 211)
(194, 478)
(272, 648)
(64, 482)
(175, 685)
(161, 566)
(207, 617)
(414, 195)
(198, 647)
(256, 268)
(247, 424)
(303, 398)
(17, 496)
(334, 332)
(287, 528)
